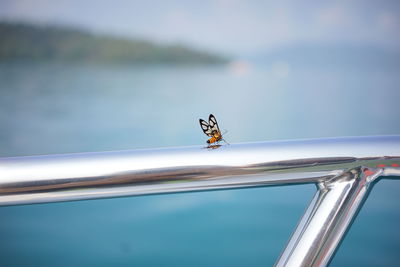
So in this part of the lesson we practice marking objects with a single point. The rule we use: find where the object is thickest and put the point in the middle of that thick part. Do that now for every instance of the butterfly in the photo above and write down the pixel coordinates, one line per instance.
(211, 129)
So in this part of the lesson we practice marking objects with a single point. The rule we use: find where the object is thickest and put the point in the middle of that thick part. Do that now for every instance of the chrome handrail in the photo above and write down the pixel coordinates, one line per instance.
(342, 168)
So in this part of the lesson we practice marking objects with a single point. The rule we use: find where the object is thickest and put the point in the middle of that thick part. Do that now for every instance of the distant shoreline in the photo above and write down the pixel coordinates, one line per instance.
(27, 42)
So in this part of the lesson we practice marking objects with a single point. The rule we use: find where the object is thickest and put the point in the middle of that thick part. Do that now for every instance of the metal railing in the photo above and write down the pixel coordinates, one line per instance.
(344, 169)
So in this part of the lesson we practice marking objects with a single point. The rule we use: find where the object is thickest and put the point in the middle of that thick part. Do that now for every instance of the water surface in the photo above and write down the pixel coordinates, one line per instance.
(61, 108)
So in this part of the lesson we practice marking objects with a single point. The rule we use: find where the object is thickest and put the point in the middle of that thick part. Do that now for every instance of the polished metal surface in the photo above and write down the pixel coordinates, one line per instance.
(343, 169)
(327, 218)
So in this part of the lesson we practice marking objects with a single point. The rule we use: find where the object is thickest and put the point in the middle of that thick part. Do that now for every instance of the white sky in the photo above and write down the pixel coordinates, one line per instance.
(233, 26)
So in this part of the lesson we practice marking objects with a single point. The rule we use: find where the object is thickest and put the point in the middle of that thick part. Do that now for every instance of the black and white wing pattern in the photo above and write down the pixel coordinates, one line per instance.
(212, 122)
(205, 127)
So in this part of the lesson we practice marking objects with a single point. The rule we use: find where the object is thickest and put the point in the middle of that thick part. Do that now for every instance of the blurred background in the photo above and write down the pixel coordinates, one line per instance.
(89, 75)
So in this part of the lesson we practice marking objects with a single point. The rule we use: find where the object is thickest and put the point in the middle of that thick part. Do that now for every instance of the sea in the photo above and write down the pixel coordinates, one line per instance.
(50, 108)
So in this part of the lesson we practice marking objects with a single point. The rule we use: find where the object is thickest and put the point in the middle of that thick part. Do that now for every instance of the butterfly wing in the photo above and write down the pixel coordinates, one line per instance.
(212, 121)
(205, 127)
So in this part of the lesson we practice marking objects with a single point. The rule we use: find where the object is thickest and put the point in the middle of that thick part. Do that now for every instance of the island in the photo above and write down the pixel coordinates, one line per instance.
(22, 41)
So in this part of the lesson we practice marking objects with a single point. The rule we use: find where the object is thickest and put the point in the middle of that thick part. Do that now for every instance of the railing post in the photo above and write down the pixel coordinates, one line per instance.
(327, 218)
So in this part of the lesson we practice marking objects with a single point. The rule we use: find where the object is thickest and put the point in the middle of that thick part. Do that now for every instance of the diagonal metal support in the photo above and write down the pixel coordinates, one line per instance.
(327, 218)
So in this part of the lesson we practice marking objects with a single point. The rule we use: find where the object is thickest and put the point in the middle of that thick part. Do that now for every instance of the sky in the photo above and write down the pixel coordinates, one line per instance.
(232, 26)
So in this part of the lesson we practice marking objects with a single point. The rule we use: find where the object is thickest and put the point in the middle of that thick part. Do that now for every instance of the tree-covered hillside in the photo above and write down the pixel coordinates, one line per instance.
(49, 43)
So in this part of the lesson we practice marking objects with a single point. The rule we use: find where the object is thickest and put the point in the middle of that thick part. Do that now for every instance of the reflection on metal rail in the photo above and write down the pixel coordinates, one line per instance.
(343, 170)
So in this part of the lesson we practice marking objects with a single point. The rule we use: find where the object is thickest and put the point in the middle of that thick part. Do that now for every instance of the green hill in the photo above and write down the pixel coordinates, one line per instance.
(50, 43)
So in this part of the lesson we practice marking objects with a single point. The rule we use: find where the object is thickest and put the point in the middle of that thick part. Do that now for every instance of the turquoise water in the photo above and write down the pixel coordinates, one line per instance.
(61, 108)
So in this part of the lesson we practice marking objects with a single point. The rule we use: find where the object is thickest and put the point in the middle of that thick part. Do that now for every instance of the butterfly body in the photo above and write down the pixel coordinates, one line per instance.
(211, 129)
(215, 138)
